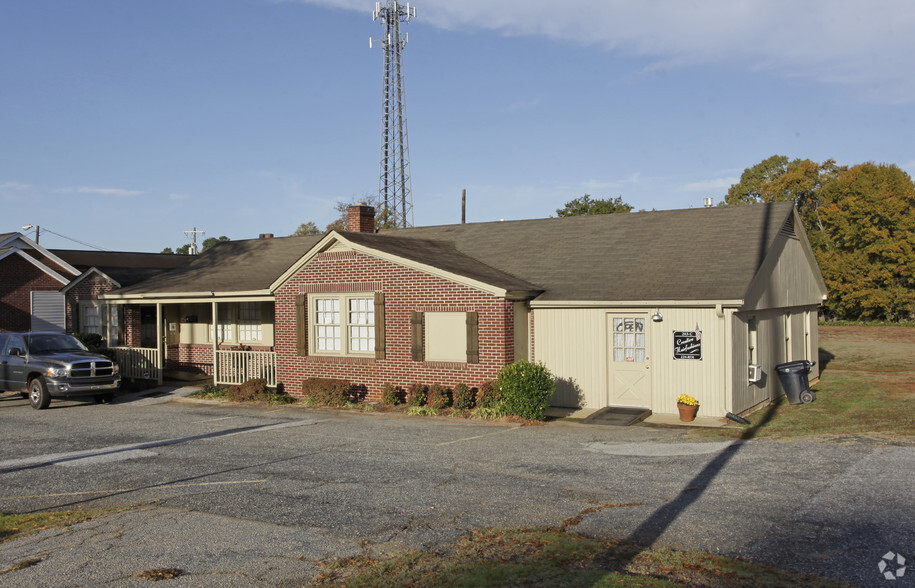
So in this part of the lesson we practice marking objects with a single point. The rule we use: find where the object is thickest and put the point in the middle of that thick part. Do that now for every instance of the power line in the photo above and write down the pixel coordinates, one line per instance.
(47, 230)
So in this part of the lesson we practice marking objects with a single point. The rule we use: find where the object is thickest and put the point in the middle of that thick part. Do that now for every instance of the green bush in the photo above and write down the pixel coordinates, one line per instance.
(390, 395)
(417, 395)
(488, 395)
(91, 340)
(212, 392)
(422, 411)
(327, 391)
(438, 397)
(463, 397)
(526, 389)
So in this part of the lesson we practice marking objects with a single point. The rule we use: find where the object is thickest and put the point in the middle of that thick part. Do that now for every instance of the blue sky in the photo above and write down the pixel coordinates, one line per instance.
(124, 124)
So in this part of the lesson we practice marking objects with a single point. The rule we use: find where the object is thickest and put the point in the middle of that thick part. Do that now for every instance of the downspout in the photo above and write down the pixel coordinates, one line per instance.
(215, 309)
(160, 343)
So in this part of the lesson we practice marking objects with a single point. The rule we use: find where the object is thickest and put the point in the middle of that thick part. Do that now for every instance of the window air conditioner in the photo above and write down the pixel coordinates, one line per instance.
(755, 373)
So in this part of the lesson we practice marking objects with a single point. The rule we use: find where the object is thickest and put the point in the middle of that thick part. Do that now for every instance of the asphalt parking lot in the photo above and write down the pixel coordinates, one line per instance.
(240, 496)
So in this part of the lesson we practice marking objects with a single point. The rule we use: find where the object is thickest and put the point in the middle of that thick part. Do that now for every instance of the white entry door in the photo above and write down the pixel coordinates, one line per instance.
(630, 374)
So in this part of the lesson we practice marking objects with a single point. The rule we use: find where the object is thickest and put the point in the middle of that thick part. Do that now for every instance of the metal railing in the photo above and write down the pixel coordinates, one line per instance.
(237, 367)
(138, 362)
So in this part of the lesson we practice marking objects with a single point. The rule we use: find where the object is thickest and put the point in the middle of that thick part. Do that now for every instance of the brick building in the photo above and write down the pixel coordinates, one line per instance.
(624, 309)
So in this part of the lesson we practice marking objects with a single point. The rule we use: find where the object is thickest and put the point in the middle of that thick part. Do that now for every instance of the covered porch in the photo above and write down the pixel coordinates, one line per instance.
(230, 340)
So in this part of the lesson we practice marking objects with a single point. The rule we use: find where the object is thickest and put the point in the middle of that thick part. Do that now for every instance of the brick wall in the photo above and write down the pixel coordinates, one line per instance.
(18, 279)
(405, 291)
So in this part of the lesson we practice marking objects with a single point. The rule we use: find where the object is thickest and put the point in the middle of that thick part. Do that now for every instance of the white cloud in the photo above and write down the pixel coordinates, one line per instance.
(14, 186)
(101, 191)
(865, 46)
(713, 185)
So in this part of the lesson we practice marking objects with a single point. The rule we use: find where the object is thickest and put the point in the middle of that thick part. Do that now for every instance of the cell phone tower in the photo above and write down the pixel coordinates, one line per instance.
(394, 184)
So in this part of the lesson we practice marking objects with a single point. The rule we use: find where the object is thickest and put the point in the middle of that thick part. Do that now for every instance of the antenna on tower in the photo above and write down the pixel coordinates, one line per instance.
(394, 184)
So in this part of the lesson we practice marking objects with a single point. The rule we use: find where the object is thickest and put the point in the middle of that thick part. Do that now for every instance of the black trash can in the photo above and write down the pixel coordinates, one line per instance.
(793, 377)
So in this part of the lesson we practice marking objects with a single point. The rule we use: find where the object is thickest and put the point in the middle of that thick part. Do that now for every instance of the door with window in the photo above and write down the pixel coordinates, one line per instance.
(630, 377)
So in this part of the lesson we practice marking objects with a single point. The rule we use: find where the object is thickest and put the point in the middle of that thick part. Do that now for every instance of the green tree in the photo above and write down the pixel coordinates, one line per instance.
(779, 179)
(207, 243)
(585, 205)
(184, 249)
(860, 226)
(308, 228)
(867, 245)
(168, 251)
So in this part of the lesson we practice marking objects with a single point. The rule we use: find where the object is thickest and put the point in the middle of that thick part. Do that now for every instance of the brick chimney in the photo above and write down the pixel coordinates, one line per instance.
(360, 218)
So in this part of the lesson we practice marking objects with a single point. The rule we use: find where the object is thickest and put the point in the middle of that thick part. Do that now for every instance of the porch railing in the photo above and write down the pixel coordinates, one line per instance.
(237, 367)
(138, 362)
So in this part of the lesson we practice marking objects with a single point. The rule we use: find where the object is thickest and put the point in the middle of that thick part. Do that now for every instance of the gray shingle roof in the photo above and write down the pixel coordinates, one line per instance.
(127, 268)
(693, 254)
(442, 255)
(230, 266)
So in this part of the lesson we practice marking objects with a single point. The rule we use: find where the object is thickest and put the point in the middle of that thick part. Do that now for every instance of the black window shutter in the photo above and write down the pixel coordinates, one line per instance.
(379, 325)
(301, 324)
(416, 330)
(473, 338)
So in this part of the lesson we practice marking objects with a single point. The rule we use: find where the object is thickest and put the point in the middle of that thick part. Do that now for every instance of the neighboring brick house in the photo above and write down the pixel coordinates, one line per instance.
(42, 289)
(624, 309)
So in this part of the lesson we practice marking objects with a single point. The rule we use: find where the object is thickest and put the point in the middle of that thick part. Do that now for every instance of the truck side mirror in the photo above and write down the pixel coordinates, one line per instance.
(16, 351)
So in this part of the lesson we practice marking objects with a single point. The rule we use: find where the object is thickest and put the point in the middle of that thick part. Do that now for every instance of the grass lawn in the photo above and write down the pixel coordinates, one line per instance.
(866, 389)
(547, 557)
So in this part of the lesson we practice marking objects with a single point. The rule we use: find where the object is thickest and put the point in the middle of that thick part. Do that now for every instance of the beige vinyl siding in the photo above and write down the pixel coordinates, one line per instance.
(786, 279)
(707, 379)
(574, 345)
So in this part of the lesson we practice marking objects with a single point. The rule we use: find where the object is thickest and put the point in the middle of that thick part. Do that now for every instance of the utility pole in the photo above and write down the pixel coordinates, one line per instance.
(394, 184)
(193, 235)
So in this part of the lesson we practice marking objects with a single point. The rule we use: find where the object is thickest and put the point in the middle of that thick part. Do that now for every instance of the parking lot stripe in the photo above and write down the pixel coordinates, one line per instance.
(119, 490)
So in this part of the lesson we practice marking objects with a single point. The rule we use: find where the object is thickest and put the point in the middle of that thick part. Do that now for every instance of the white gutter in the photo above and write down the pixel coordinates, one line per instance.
(716, 304)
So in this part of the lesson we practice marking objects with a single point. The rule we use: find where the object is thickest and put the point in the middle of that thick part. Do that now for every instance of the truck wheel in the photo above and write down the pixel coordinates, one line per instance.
(38, 394)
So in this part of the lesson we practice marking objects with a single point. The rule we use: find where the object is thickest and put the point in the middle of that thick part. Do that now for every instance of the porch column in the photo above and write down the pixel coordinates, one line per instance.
(160, 344)
(215, 341)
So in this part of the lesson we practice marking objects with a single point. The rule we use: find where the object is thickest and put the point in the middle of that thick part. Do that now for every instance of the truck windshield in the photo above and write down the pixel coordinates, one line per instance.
(50, 343)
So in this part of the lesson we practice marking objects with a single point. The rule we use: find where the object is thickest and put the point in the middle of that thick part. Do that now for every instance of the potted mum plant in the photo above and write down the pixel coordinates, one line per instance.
(687, 405)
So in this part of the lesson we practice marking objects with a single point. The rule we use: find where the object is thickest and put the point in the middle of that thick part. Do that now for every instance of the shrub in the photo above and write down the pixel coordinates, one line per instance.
(417, 395)
(250, 391)
(438, 397)
(390, 395)
(526, 389)
(212, 392)
(463, 397)
(327, 391)
(422, 411)
(488, 395)
(91, 340)
(494, 411)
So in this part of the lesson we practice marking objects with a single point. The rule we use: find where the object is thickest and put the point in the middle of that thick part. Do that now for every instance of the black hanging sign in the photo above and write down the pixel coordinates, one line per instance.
(688, 344)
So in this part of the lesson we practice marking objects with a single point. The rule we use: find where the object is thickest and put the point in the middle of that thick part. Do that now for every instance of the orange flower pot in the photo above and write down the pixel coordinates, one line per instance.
(687, 412)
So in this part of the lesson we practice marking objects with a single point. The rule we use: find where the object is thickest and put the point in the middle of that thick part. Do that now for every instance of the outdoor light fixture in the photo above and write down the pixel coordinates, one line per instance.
(657, 316)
